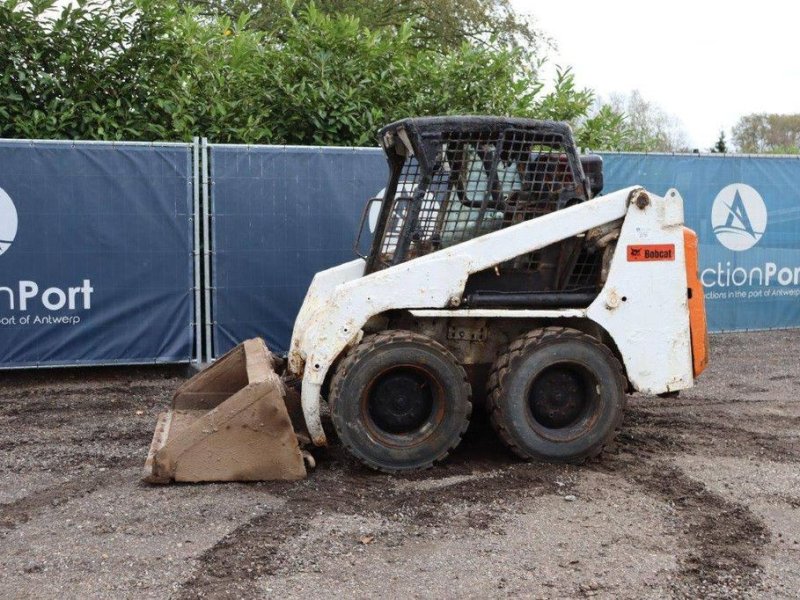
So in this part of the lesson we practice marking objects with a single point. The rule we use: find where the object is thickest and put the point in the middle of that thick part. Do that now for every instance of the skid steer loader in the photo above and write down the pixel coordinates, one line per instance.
(495, 265)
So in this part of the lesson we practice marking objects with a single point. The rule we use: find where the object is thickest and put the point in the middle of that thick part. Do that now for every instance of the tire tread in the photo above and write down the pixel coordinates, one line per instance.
(509, 359)
(357, 353)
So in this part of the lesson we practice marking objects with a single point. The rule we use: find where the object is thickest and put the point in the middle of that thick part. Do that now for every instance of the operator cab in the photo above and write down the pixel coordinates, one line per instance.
(453, 179)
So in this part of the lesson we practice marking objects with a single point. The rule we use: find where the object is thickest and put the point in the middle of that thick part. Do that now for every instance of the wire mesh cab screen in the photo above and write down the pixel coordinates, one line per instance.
(453, 181)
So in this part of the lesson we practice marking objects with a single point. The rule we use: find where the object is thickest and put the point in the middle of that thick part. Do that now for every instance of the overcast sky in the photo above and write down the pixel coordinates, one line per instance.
(707, 62)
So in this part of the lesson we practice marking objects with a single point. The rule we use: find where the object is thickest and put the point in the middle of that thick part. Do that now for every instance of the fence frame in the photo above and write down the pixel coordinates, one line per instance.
(195, 288)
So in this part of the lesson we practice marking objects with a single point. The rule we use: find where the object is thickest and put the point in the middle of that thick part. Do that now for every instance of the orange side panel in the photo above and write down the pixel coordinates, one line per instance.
(697, 306)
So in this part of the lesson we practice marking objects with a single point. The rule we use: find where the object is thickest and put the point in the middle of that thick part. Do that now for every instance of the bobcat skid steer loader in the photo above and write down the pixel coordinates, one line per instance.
(495, 266)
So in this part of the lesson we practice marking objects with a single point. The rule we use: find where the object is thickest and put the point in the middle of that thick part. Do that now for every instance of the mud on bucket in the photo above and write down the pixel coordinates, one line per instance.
(228, 423)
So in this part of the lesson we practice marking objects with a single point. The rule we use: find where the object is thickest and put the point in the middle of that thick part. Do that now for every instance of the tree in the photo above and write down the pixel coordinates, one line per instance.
(435, 24)
(647, 127)
(768, 133)
(94, 71)
(151, 69)
(721, 146)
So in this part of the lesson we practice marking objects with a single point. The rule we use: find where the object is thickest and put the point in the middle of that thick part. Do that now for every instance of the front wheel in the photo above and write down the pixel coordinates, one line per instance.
(399, 401)
(556, 394)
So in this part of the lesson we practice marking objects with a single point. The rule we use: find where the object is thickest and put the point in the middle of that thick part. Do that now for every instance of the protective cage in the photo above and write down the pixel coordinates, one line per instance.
(453, 179)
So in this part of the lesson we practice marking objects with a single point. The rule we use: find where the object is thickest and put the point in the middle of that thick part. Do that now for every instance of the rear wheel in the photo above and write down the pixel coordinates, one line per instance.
(400, 401)
(556, 394)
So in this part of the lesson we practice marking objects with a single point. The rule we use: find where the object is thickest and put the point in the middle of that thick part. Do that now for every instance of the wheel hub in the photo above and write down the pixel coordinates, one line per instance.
(400, 401)
(560, 396)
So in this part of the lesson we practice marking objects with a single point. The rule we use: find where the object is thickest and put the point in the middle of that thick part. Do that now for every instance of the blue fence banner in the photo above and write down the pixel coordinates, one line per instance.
(96, 241)
(746, 212)
(280, 214)
(95, 253)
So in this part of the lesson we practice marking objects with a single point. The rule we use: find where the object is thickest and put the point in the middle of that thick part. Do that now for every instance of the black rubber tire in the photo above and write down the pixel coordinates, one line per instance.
(355, 380)
(596, 418)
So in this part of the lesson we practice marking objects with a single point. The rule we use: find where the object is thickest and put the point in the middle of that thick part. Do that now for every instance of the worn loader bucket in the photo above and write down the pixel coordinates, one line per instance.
(228, 423)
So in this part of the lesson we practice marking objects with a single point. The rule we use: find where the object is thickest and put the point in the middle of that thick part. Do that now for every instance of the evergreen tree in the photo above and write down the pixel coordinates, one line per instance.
(721, 146)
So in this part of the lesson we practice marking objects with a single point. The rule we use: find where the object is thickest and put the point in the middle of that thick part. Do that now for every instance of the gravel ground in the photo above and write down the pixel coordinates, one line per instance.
(698, 497)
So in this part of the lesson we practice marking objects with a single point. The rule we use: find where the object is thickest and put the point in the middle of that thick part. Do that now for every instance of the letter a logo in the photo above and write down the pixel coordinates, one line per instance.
(739, 217)
(8, 221)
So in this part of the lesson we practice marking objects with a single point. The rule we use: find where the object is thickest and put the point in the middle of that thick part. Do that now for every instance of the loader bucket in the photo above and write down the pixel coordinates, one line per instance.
(228, 423)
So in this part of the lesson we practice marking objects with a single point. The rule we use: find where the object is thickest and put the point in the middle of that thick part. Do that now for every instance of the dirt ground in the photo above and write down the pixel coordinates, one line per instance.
(698, 497)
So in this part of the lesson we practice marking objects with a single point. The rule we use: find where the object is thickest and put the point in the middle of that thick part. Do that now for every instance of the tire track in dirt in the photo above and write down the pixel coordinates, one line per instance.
(656, 432)
(40, 418)
(726, 539)
(343, 487)
(18, 512)
(75, 405)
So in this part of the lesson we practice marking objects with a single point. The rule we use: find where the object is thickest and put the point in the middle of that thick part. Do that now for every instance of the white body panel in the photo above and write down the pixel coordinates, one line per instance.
(644, 305)
(650, 327)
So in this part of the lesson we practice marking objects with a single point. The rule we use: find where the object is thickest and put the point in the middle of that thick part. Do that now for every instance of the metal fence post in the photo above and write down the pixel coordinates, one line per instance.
(207, 249)
(198, 331)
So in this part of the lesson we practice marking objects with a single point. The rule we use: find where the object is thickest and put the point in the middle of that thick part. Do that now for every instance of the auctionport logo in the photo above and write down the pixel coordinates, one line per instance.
(8, 221)
(21, 303)
(739, 217)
